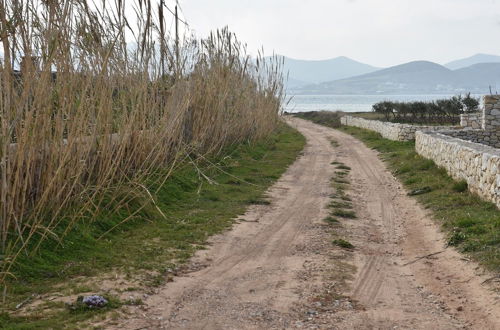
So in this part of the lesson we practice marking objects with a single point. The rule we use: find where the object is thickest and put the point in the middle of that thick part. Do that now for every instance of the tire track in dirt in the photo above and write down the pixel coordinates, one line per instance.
(251, 281)
(261, 275)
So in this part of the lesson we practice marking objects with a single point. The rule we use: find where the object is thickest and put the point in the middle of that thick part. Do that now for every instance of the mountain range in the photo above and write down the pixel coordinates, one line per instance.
(303, 72)
(344, 76)
(475, 59)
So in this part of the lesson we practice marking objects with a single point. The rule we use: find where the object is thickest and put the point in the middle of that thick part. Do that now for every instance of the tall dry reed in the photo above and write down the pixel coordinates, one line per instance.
(102, 100)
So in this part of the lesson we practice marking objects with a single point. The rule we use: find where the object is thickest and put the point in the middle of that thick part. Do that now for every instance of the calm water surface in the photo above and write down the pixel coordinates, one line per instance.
(350, 103)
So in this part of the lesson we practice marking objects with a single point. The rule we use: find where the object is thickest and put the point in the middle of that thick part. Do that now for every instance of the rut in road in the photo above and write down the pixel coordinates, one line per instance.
(276, 268)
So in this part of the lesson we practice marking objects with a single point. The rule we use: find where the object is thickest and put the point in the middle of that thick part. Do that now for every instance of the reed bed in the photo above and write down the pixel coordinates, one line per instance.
(94, 101)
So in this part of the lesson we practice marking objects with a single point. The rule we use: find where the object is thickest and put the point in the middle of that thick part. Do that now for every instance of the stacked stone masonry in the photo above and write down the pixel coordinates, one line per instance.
(391, 131)
(475, 163)
(482, 127)
(471, 120)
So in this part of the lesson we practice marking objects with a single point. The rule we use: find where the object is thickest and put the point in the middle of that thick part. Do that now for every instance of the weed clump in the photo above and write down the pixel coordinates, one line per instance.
(343, 244)
(345, 198)
(340, 180)
(343, 167)
(259, 201)
(460, 186)
(340, 205)
(344, 214)
(331, 219)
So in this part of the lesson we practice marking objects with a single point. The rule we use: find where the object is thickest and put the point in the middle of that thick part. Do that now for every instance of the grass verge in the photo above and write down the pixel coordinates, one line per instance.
(472, 225)
(196, 201)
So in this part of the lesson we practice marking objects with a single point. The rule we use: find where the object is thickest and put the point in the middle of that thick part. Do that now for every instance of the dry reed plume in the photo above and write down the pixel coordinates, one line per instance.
(93, 101)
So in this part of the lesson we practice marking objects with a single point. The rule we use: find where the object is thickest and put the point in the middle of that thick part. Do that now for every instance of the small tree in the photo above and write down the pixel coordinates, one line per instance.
(386, 108)
(471, 104)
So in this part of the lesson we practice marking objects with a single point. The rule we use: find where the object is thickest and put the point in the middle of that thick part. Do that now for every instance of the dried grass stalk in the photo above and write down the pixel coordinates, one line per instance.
(89, 111)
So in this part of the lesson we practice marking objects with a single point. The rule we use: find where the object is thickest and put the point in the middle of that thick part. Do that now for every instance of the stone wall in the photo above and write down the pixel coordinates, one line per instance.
(391, 131)
(491, 114)
(475, 163)
(471, 135)
(470, 154)
(471, 120)
(482, 127)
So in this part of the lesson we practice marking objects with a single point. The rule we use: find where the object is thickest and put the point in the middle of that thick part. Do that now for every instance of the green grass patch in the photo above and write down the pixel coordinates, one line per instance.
(331, 220)
(344, 213)
(259, 201)
(346, 198)
(149, 243)
(340, 205)
(369, 115)
(460, 186)
(343, 244)
(340, 181)
(343, 167)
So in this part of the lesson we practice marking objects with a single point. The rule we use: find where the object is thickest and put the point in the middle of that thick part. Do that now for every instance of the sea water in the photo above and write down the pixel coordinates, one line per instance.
(350, 103)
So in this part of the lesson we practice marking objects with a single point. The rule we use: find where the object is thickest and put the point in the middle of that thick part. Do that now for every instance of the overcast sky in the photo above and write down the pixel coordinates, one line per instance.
(377, 32)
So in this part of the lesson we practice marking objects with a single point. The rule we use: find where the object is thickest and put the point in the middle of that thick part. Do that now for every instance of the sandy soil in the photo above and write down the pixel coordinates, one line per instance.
(277, 268)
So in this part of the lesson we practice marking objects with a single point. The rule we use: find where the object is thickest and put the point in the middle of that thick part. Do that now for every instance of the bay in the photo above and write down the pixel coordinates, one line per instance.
(351, 103)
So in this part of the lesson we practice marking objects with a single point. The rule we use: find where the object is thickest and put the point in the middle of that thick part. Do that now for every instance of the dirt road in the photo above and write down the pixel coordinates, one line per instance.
(277, 268)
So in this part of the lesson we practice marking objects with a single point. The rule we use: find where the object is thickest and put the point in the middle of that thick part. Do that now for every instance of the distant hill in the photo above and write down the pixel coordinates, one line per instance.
(304, 72)
(420, 77)
(293, 83)
(479, 77)
(475, 59)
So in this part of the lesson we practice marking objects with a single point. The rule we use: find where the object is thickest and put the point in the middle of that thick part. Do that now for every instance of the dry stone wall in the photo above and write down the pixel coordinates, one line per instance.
(478, 164)
(482, 127)
(391, 131)
(477, 135)
(471, 120)
(469, 154)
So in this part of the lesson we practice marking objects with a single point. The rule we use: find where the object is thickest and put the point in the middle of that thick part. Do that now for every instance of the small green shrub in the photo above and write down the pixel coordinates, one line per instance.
(456, 238)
